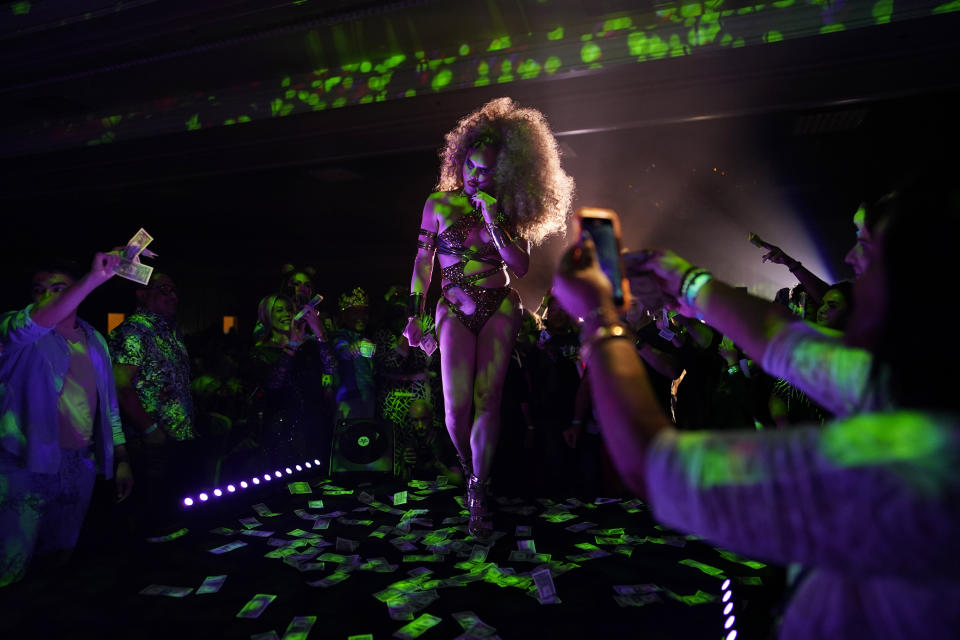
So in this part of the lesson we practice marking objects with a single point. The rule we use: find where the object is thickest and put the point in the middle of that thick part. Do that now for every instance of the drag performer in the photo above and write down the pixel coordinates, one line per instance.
(501, 190)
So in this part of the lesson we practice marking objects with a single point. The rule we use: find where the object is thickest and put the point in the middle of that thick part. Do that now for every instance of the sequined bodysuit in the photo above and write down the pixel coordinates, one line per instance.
(452, 242)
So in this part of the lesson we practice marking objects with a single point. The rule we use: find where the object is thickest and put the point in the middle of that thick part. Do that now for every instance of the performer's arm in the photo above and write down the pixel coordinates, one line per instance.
(422, 271)
(514, 250)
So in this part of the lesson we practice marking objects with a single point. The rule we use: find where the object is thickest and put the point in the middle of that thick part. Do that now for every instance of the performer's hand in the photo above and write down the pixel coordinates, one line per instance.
(413, 332)
(487, 205)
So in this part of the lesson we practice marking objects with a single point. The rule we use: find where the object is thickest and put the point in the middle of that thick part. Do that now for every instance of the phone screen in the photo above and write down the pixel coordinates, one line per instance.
(608, 253)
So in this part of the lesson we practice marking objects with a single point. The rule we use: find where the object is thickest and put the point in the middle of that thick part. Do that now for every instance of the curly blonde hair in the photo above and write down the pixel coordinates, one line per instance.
(532, 188)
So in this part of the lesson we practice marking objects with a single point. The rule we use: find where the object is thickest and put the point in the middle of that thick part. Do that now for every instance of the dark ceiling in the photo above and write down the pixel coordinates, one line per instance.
(798, 133)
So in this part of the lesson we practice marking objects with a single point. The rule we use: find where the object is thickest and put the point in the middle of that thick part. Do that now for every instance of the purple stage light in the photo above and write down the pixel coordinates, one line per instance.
(289, 470)
(217, 492)
(732, 635)
(729, 622)
(203, 497)
(277, 473)
(298, 468)
(307, 464)
(725, 585)
(726, 596)
(255, 481)
(727, 609)
(243, 484)
(316, 462)
(267, 477)
(188, 502)
(231, 488)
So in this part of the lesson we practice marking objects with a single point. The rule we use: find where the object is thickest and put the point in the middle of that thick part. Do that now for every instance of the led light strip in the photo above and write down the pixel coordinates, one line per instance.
(727, 600)
(203, 496)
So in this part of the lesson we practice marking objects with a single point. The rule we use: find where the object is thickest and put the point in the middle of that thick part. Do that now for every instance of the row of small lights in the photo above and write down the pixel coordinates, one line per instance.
(727, 599)
(243, 484)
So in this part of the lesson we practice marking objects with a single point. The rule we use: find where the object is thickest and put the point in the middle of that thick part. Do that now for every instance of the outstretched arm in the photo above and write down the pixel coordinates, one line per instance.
(422, 270)
(49, 313)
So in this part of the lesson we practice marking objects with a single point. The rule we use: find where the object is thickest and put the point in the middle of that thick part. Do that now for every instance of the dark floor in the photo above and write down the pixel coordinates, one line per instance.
(98, 594)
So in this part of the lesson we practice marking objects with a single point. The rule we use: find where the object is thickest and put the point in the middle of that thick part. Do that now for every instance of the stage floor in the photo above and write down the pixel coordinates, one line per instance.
(361, 565)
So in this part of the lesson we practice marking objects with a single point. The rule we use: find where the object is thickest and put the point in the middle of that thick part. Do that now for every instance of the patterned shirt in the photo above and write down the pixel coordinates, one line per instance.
(154, 345)
(871, 504)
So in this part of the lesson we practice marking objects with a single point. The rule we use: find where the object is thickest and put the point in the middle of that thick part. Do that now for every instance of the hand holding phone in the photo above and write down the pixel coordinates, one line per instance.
(603, 227)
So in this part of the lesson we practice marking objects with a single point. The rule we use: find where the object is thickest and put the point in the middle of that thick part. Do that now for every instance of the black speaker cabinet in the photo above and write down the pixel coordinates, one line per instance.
(362, 445)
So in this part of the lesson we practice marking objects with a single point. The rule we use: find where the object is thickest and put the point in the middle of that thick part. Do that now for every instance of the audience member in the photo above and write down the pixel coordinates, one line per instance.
(60, 422)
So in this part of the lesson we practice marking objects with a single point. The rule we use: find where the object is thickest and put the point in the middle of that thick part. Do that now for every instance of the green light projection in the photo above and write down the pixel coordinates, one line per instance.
(676, 30)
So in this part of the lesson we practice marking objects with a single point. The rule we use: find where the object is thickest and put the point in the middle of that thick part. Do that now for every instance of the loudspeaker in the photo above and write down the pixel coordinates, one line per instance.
(362, 445)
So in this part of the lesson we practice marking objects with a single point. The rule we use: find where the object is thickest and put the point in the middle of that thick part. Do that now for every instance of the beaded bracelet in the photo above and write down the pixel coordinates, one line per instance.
(696, 284)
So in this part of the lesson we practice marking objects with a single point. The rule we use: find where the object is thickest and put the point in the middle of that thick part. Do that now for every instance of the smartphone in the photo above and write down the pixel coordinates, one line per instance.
(603, 225)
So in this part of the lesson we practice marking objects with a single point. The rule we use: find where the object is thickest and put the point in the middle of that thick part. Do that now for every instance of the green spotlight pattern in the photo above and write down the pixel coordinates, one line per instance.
(678, 29)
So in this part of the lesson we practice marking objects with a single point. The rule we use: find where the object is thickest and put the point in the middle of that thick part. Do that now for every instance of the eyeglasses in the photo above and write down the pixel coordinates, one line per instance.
(165, 289)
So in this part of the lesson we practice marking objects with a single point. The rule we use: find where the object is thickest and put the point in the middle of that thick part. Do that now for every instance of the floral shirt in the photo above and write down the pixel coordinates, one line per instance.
(155, 346)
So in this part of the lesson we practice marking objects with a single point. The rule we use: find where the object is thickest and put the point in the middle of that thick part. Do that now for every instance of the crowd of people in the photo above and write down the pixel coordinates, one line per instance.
(811, 429)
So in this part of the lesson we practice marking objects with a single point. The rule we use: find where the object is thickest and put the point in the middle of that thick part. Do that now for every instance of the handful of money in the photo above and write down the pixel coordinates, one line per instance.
(130, 266)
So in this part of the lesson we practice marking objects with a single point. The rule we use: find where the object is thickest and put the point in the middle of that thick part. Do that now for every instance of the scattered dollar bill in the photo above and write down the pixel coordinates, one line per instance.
(580, 526)
(441, 481)
(417, 628)
(337, 492)
(400, 497)
(211, 584)
(423, 558)
(632, 589)
(315, 504)
(527, 545)
(479, 553)
(605, 500)
(355, 523)
(257, 533)
(362, 636)
(546, 591)
(264, 511)
(334, 578)
(637, 599)
(298, 488)
(523, 531)
(526, 556)
(170, 536)
(166, 590)
(732, 557)
(299, 628)
(135, 271)
(223, 531)
(706, 568)
(749, 580)
(250, 522)
(321, 523)
(700, 597)
(256, 605)
(230, 546)
(345, 545)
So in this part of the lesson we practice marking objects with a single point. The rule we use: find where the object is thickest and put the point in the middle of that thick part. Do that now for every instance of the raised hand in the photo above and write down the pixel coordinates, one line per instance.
(487, 205)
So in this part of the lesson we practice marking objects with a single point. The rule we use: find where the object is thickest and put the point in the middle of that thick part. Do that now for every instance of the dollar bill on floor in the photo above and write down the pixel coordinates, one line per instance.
(223, 531)
(527, 545)
(631, 589)
(400, 497)
(523, 531)
(362, 636)
(211, 584)
(250, 522)
(166, 590)
(257, 533)
(637, 599)
(346, 546)
(479, 553)
(256, 605)
(170, 536)
(134, 271)
(527, 556)
(230, 546)
(315, 504)
(546, 591)
(299, 628)
(334, 578)
(264, 511)
(266, 635)
(417, 628)
(299, 488)
(321, 523)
